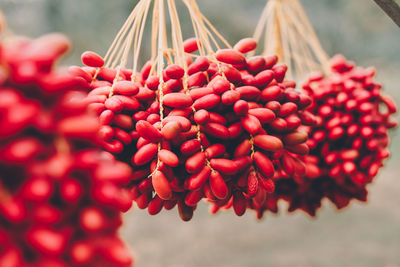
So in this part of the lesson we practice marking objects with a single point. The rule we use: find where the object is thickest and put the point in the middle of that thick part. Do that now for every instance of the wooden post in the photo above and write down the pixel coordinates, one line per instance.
(391, 8)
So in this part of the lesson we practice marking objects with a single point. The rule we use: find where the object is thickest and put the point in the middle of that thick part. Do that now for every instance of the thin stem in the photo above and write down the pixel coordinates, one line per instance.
(201, 32)
(120, 36)
(312, 36)
(159, 6)
(261, 24)
(138, 42)
(391, 8)
(290, 35)
(154, 31)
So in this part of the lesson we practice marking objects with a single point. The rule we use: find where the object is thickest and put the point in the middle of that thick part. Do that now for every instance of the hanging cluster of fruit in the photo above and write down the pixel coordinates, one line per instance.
(60, 196)
(350, 140)
(214, 125)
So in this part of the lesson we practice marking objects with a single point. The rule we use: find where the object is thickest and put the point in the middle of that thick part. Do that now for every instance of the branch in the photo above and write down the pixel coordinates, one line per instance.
(391, 8)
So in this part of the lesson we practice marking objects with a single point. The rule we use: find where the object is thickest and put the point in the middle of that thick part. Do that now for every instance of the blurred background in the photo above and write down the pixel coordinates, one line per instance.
(361, 235)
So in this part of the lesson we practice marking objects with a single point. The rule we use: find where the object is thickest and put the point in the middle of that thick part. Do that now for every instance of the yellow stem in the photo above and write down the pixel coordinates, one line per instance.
(289, 34)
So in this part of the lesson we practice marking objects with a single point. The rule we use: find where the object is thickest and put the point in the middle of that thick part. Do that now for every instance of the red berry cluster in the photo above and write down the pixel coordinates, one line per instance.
(221, 130)
(60, 199)
(349, 143)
